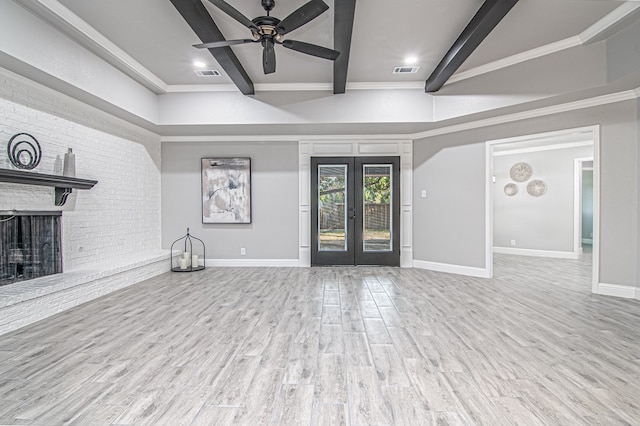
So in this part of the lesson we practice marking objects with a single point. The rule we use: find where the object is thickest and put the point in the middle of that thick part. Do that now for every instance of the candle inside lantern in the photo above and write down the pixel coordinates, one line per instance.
(194, 260)
(187, 257)
(183, 264)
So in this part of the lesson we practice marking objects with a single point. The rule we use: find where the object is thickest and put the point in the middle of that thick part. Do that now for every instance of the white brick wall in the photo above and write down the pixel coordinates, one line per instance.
(111, 233)
(120, 216)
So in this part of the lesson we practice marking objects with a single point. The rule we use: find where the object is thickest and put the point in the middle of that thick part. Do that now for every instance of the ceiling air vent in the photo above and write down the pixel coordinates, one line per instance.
(207, 73)
(405, 70)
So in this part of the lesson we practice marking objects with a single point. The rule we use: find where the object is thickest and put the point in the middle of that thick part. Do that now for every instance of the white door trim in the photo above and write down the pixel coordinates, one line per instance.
(595, 135)
(355, 148)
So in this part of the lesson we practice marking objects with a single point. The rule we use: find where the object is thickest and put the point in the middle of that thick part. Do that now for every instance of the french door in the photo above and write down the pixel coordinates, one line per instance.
(355, 209)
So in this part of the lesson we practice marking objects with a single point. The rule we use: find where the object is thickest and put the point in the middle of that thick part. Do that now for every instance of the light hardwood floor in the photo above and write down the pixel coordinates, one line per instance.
(330, 346)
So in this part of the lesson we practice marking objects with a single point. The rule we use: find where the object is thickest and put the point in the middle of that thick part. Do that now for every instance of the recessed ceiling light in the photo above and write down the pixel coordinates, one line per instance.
(410, 60)
(199, 64)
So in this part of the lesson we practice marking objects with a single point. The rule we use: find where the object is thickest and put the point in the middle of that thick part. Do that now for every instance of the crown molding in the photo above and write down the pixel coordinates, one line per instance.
(397, 85)
(590, 34)
(534, 113)
(296, 87)
(507, 118)
(516, 59)
(53, 11)
(545, 135)
(542, 148)
(285, 138)
(189, 88)
(605, 24)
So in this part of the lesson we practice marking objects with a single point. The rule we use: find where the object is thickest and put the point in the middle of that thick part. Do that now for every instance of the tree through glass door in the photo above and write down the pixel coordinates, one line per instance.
(355, 211)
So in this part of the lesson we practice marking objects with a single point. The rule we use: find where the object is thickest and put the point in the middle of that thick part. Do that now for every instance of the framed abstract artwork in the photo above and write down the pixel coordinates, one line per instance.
(226, 190)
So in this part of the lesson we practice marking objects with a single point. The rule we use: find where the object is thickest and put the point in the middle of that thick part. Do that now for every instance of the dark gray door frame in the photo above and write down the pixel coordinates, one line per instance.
(354, 203)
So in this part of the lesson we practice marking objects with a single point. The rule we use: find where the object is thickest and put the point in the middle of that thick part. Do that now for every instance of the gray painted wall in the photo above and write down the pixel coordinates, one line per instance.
(448, 225)
(587, 204)
(358, 106)
(623, 52)
(465, 245)
(536, 223)
(273, 233)
(638, 194)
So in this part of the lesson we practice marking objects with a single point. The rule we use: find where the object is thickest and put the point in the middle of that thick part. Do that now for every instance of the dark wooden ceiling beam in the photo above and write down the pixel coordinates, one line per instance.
(344, 13)
(198, 18)
(484, 21)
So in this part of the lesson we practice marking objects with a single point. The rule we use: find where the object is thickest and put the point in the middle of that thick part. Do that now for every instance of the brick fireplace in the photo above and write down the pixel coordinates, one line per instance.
(110, 236)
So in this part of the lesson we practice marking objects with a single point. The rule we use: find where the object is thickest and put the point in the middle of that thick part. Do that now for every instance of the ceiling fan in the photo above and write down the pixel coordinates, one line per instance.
(269, 31)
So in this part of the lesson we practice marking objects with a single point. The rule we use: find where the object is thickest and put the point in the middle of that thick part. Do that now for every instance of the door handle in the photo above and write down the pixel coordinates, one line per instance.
(352, 213)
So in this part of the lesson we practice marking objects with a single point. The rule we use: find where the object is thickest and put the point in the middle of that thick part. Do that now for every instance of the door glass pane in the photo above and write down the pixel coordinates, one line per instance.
(332, 214)
(377, 220)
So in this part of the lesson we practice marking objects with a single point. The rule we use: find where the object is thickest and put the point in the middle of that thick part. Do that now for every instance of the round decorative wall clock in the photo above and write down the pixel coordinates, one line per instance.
(511, 189)
(536, 188)
(520, 172)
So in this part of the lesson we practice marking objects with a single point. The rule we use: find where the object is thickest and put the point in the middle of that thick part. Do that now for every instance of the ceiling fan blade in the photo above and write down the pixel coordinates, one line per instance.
(311, 49)
(231, 11)
(223, 43)
(301, 16)
(268, 57)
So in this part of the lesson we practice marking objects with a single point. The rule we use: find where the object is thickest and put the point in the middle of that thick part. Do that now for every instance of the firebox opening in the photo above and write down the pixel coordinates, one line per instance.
(30, 245)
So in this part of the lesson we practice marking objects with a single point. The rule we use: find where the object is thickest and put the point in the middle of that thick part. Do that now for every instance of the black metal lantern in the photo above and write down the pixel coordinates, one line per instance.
(192, 253)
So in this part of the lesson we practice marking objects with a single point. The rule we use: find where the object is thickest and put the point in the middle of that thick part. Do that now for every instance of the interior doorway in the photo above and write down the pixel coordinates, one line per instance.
(584, 171)
(535, 195)
(355, 211)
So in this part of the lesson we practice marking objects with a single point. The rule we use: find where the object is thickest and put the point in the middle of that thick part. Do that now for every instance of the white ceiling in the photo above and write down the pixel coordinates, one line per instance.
(154, 34)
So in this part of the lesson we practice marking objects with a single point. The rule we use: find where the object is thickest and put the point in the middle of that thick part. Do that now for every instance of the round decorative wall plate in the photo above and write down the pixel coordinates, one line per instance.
(511, 189)
(536, 188)
(520, 172)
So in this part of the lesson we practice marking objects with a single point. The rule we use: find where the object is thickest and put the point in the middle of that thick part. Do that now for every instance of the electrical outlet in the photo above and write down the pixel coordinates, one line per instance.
(423, 193)
(243, 251)
(513, 243)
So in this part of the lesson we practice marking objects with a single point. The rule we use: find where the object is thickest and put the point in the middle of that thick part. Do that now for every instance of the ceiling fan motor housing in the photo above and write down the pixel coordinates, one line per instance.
(268, 5)
(266, 27)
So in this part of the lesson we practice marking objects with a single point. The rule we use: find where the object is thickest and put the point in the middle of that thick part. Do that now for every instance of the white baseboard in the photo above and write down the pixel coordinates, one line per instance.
(253, 262)
(536, 253)
(617, 290)
(452, 269)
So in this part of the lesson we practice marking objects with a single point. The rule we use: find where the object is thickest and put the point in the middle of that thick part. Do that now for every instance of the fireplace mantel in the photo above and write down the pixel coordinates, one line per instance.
(63, 185)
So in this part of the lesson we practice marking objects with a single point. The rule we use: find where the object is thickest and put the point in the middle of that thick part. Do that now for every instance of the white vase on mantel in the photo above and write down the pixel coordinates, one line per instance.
(69, 167)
